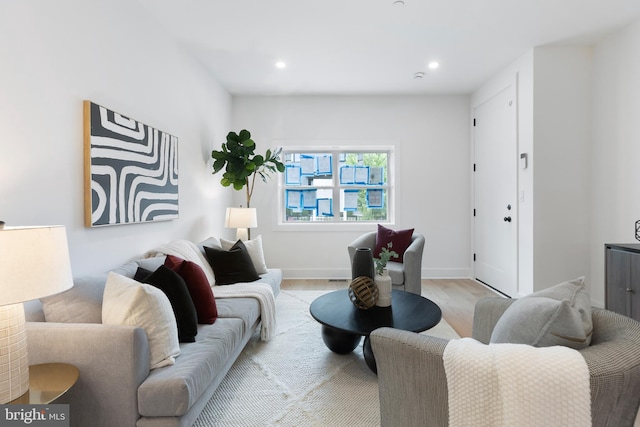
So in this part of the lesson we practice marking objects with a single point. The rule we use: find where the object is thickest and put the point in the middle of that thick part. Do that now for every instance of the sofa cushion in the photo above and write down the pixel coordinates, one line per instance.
(129, 269)
(80, 304)
(254, 247)
(198, 286)
(127, 302)
(273, 277)
(246, 309)
(174, 287)
(211, 242)
(560, 315)
(400, 240)
(173, 390)
(232, 266)
(396, 272)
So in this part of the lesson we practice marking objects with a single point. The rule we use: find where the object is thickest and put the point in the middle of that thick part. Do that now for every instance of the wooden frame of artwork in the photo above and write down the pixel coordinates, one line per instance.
(131, 170)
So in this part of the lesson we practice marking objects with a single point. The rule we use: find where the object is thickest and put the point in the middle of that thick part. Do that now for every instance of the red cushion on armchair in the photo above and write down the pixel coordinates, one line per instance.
(400, 240)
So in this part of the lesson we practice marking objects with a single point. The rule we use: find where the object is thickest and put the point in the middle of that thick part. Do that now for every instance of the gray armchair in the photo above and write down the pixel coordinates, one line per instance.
(405, 276)
(413, 385)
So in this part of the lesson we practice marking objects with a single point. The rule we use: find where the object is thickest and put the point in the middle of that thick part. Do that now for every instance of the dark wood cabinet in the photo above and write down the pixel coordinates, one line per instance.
(622, 279)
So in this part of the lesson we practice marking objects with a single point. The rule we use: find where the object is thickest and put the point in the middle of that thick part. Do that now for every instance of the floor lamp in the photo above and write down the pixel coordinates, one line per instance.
(34, 263)
(242, 219)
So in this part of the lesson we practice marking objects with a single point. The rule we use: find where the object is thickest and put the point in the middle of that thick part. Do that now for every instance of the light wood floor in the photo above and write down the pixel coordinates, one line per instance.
(455, 297)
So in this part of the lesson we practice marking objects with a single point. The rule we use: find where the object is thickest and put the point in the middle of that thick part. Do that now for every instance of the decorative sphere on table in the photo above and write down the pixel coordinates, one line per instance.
(363, 292)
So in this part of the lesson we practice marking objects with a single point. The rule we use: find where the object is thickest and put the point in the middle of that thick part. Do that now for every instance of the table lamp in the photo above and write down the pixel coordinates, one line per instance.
(34, 263)
(242, 219)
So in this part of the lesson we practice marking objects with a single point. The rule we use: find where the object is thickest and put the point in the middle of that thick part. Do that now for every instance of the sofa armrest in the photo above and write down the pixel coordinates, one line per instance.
(412, 261)
(113, 361)
(486, 314)
(411, 378)
(367, 240)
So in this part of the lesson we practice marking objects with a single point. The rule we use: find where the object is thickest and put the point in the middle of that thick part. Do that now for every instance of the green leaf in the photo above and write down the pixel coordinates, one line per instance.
(218, 165)
(244, 135)
(238, 185)
(280, 167)
(232, 136)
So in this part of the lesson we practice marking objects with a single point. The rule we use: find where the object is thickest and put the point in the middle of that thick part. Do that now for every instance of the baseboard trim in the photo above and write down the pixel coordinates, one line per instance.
(345, 273)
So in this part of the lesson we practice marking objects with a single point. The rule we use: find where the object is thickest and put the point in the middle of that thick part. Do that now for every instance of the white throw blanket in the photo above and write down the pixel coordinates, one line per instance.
(516, 385)
(261, 291)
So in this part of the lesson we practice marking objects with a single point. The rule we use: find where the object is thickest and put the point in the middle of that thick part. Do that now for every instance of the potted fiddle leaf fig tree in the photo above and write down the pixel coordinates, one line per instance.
(241, 165)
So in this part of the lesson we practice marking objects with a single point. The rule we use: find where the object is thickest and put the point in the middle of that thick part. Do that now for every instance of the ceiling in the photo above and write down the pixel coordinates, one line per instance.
(376, 46)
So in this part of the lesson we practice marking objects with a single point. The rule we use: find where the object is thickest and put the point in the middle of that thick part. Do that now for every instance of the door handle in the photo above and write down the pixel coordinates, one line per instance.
(507, 219)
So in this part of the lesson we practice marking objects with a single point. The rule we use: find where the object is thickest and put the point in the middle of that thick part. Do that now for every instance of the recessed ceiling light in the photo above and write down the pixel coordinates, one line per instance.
(418, 75)
(281, 65)
(433, 65)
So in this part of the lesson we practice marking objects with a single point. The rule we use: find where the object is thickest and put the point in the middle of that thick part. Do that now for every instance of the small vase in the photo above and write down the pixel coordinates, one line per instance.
(362, 264)
(384, 289)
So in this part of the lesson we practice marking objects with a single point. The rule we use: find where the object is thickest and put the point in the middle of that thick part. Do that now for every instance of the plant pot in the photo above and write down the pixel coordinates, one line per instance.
(384, 289)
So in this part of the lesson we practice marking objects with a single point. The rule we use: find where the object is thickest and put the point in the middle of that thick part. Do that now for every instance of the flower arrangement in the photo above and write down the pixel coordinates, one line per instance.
(385, 255)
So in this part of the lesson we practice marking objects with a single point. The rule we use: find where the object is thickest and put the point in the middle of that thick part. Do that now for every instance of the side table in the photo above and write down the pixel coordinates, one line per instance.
(47, 382)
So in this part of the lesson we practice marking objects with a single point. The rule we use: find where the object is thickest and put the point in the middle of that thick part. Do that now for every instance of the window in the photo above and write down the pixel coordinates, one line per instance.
(337, 186)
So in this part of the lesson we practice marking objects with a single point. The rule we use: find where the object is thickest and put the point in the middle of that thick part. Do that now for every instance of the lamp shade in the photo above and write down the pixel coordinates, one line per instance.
(241, 218)
(34, 263)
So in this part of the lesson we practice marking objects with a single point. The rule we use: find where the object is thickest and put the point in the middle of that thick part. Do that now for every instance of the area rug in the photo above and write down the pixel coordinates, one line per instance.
(294, 380)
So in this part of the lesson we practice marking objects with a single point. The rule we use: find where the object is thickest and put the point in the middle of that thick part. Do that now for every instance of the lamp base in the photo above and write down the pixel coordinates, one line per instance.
(14, 362)
(242, 234)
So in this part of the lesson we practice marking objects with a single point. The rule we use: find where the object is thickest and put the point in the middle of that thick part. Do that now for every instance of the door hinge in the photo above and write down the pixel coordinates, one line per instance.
(474, 257)
(474, 212)
(474, 167)
(474, 121)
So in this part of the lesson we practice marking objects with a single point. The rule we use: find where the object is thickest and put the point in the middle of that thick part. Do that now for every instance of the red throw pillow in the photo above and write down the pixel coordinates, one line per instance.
(198, 287)
(400, 239)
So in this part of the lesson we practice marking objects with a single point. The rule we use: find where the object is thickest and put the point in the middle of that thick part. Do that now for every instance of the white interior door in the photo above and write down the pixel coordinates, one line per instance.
(495, 184)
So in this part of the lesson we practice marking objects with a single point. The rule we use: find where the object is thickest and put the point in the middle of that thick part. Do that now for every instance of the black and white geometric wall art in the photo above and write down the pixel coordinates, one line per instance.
(131, 170)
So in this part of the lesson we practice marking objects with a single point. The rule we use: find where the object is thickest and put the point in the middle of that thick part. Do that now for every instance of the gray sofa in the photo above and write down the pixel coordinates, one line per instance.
(116, 386)
(413, 384)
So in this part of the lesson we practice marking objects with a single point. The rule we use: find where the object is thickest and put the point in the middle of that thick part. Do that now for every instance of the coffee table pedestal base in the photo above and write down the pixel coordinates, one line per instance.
(368, 355)
(344, 343)
(338, 341)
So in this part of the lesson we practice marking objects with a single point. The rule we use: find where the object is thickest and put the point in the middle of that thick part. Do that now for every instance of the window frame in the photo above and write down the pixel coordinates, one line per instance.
(337, 224)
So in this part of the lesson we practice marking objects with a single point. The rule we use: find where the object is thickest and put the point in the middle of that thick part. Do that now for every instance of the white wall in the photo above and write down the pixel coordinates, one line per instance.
(562, 151)
(56, 54)
(431, 135)
(554, 88)
(615, 182)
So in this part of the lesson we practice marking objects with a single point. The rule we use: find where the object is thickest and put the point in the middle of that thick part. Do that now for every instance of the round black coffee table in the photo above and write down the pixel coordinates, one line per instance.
(343, 324)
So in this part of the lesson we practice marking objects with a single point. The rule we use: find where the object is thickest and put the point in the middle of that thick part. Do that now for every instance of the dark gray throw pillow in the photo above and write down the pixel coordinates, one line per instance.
(232, 266)
(175, 288)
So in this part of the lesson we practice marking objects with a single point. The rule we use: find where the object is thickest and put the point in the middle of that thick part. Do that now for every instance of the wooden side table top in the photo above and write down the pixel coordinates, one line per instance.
(47, 382)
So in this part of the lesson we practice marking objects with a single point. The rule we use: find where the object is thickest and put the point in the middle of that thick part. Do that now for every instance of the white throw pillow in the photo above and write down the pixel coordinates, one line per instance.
(127, 302)
(254, 247)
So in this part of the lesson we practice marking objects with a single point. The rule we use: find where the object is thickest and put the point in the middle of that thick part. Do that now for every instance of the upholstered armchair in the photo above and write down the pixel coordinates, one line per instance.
(413, 384)
(405, 276)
